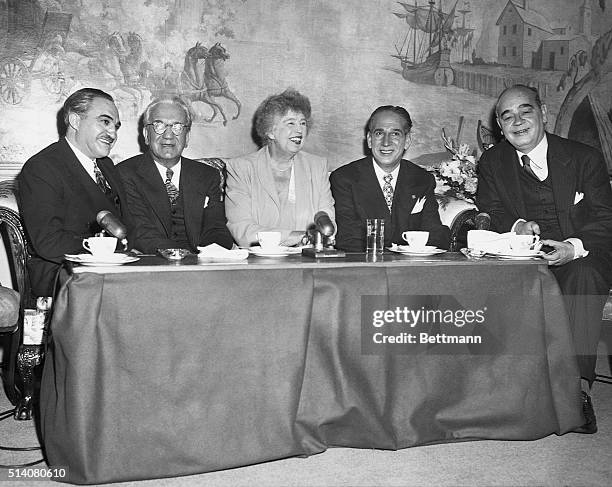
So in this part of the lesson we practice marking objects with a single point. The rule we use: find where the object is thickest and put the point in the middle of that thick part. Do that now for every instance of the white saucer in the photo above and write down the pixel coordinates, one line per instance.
(519, 254)
(407, 250)
(276, 252)
(111, 259)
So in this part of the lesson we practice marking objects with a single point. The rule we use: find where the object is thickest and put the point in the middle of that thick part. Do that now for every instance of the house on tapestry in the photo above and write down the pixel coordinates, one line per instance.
(528, 39)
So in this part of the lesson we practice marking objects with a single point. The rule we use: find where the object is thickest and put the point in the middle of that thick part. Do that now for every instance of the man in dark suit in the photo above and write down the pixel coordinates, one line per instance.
(386, 186)
(174, 201)
(541, 184)
(63, 187)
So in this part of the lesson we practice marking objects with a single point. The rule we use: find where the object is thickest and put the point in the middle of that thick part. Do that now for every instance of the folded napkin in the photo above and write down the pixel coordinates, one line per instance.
(489, 241)
(215, 251)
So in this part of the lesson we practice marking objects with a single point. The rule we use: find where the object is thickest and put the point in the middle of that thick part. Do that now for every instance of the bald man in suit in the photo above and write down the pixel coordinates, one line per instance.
(536, 183)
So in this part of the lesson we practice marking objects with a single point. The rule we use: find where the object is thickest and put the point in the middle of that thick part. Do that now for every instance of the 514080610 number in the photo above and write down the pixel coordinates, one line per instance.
(34, 473)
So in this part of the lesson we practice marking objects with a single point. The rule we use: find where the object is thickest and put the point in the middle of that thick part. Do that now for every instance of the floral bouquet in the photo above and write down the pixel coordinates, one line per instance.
(456, 177)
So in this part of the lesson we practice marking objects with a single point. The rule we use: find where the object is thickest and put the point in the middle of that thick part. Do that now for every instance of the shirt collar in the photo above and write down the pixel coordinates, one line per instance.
(380, 174)
(176, 170)
(83, 159)
(86, 162)
(538, 154)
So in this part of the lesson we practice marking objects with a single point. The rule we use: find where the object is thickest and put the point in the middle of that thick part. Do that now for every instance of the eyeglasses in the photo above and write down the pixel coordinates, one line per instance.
(160, 127)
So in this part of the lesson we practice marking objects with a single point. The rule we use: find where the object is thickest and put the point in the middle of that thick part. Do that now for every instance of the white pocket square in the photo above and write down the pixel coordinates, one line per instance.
(206, 202)
(418, 206)
(578, 198)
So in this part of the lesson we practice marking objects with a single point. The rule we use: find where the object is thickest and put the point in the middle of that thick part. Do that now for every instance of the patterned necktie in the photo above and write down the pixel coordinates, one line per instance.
(527, 166)
(171, 189)
(388, 190)
(101, 180)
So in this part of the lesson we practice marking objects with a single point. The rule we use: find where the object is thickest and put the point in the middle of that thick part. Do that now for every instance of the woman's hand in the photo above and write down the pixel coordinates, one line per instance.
(294, 238)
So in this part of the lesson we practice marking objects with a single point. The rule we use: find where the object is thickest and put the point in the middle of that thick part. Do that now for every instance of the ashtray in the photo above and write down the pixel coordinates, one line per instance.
(473, 253)
(173, 254)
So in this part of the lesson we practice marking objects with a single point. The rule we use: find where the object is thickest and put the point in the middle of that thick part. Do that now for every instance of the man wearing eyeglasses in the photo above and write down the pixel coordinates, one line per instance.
(65, 186)
(174, 202)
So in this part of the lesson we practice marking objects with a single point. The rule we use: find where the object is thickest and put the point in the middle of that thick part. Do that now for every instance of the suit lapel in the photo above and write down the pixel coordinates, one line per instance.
(154, 190)
(106, 167)
(193, 200)
(78, 176)
(301, 173)
(562, 180)
(264, 174)
(406, 194)
(507, 174)
(369, 192)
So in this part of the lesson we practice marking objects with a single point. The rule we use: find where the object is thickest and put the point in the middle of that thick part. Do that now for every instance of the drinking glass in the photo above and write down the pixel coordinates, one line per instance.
(375, 235)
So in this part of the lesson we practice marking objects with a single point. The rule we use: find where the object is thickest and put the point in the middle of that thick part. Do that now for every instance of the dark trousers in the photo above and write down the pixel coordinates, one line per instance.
(585, 284)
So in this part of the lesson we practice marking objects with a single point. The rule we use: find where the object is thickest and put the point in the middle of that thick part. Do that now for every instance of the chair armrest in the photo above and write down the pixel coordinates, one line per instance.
(219, 165)
(453, 209)
(9, 309)
(461, 216)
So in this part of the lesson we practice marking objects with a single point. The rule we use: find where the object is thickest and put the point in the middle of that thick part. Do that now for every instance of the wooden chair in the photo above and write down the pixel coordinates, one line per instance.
(461, 216)
(21, 359)
(606, 338)
(217, 164)
(486, 137)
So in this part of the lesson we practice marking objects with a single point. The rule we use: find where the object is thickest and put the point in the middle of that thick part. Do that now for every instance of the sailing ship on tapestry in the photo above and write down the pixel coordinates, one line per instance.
(562, 48)
(431, 36)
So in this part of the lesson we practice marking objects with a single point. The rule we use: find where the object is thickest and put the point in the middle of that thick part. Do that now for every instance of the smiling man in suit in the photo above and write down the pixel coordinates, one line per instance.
(63, 187)
(386, 186)
(173, 201)
(536, 183)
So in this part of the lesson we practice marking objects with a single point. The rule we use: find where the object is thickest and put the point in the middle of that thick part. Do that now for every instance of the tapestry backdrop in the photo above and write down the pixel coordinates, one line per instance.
(444, 60)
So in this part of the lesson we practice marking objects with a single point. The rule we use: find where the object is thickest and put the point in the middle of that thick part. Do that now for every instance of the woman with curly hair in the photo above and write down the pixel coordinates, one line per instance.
(279, 187)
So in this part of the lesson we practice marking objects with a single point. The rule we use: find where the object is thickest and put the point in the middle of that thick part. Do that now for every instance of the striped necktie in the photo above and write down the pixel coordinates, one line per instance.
(388, 190)
(171, 189)
(527, 167)
(101, 180)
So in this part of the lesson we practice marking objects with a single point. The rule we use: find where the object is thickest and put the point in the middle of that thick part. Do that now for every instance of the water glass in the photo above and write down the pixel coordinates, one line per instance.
(375, 235)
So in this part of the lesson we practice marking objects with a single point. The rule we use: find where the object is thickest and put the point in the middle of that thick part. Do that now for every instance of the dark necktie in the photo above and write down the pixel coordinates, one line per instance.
(527, 167)
(388, 190)
(101, 180)
(171, 189)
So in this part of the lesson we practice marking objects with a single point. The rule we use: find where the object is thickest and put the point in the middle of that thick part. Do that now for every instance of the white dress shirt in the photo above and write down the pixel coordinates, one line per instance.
(86, 162)
(176, 169)
(380, 175)
(539, 165)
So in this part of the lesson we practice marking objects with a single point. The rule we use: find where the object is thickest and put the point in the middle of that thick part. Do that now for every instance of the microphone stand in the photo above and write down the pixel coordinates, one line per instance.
(322, 246)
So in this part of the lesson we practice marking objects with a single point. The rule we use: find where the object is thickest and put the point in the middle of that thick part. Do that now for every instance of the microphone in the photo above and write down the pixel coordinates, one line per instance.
(111, 224)
(323, 231)
(482, 221)
(324, 224)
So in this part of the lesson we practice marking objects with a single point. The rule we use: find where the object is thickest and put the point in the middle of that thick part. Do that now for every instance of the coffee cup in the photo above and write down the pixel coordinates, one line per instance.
(100, 246)
(269, 240)
(416, 239)
(522, 243)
